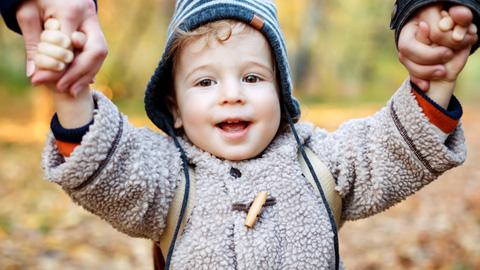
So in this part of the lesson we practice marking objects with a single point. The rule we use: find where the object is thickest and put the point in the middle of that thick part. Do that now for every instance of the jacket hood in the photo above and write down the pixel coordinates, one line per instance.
(191, 14)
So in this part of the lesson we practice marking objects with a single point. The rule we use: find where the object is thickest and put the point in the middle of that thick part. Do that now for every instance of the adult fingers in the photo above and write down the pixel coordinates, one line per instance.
(90, 59)
(45, 76)
(423, 31)
(81, 84)
(461, 15)
(29, 20)
(84, 67)
(418, 52)
(424, 72)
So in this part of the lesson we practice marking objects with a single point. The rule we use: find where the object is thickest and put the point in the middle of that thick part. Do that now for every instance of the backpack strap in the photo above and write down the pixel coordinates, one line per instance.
(326, 181)
(174, 212)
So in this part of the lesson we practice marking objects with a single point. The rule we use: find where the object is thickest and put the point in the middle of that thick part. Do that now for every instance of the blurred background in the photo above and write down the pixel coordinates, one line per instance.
(345, 65)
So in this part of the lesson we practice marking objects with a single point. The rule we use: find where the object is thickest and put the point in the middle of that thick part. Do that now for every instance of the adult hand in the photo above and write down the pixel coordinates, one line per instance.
(426, 61)
(74, 15)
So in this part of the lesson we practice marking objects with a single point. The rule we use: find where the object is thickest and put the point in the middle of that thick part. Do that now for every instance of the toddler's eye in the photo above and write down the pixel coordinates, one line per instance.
(251, 78)
(205, 83)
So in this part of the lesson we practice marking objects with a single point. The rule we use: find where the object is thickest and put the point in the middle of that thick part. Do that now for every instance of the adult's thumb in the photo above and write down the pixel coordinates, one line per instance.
(29, 20)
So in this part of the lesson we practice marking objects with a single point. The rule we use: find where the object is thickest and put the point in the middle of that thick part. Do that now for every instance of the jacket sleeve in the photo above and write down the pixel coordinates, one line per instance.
(380, 160)
(125, 175)
(8, 9)
(404, 9)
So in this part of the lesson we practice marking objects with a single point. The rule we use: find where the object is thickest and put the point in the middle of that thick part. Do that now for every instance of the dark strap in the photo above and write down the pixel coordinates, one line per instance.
(158, 260)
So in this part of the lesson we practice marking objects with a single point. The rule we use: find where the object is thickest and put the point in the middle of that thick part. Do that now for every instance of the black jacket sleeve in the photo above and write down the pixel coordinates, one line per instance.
(404, 9)
(8, 9)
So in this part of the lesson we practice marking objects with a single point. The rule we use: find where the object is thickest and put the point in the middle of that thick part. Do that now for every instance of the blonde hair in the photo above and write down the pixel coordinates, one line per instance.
(221, 30)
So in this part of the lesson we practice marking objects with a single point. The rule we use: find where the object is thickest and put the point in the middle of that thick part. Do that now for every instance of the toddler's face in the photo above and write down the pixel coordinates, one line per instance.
(226, 94)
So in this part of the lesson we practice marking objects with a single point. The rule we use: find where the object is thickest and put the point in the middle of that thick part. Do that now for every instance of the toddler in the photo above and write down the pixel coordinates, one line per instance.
(222, 94)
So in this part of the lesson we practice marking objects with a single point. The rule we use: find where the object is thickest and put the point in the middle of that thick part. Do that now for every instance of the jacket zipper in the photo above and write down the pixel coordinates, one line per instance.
(232, 248)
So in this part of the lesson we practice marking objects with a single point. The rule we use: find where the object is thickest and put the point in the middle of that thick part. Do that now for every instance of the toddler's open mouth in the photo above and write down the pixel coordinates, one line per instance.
(233, 126)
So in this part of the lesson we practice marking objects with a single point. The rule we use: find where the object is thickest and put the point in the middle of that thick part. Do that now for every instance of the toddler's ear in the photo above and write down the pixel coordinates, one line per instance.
(178, 122)
(172, 107)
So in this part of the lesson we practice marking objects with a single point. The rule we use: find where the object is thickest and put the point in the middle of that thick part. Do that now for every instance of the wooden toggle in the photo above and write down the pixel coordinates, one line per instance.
(255, 209)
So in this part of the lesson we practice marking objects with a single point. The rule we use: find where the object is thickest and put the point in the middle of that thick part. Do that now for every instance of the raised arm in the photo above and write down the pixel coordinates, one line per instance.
(123, 174)
(380, 160)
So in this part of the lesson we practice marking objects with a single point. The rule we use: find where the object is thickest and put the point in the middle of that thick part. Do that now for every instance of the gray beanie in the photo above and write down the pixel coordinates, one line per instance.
(190, 14)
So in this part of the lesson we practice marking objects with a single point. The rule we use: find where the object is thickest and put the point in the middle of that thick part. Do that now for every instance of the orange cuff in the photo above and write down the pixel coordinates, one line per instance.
(436, 117)
(65, 148)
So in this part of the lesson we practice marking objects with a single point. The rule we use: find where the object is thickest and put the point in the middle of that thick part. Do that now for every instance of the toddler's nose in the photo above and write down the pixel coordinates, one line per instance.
(232, 93)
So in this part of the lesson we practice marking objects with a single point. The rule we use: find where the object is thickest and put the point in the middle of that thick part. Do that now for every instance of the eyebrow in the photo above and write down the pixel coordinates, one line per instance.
(189, 74)
(243, 65)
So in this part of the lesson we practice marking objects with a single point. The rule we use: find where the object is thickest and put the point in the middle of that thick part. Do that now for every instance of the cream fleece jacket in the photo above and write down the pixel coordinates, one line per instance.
(128, 176)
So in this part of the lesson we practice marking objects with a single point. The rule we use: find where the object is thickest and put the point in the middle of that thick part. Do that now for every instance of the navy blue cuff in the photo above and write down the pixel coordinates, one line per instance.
(454, 109)
(73, 135)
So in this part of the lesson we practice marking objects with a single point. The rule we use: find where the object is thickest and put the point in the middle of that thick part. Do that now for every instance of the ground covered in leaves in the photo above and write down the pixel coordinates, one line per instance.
(438, 228)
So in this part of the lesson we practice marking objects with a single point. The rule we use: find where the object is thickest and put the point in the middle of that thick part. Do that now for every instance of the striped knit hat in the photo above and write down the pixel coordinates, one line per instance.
(190, 14)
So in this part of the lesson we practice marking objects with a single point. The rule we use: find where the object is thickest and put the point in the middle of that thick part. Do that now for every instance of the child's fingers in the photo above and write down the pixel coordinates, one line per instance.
(48, 63)
(52, 24)
(459, 33)
(56, 52)
(78, 40)
(446, 24)
(56, 37)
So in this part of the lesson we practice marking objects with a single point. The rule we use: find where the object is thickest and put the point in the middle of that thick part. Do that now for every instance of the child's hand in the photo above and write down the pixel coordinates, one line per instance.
(55, 50)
